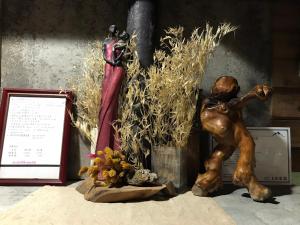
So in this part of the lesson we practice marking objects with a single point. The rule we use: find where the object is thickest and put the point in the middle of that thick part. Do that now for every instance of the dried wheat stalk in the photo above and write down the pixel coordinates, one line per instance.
(174, 78)
(87, 89)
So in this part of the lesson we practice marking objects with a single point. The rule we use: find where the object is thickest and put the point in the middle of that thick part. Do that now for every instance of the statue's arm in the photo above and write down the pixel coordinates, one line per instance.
(220, 107)
(261, 92)
(118, 58)
(121, 46)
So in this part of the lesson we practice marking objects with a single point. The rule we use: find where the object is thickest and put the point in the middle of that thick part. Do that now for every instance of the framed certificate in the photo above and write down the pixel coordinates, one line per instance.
(34, 132)
(272, 154)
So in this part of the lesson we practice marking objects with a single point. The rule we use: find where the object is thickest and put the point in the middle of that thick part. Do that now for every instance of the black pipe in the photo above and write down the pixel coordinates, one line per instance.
(141, 16)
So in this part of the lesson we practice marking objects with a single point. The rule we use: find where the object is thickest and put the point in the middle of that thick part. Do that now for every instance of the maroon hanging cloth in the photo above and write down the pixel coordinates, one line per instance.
(111, 85)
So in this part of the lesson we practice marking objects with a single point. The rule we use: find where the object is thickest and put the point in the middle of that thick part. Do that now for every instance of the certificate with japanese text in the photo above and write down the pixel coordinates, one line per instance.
(32, 136)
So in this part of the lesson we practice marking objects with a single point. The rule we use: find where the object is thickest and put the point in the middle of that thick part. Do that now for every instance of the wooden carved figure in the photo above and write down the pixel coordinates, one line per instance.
(114, 48)
(221, 116)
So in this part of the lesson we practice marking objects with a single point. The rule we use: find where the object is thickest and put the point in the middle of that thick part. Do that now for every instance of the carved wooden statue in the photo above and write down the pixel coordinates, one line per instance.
(222, 117)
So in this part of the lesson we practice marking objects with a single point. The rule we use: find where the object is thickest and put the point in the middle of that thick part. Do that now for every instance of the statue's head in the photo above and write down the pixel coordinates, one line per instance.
(113, 30)
(124, 36)
(225, 85)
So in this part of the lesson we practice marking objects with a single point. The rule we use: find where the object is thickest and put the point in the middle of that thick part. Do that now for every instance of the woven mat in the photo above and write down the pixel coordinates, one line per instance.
(65, 206)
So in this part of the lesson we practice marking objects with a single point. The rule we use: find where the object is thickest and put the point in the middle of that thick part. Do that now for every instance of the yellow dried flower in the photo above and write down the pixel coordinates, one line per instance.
(112, 173)
(97, 161)
(100, 152)
(125, 165)
(122, 174)
(83, 170)
(108, 161)
(116, 160)
(108, 157)
(108, 151)
(93, 170)
(105, 174)
(112, 167)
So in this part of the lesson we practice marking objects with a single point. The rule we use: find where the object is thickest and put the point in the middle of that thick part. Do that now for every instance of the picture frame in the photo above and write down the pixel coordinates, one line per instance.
(34, 136)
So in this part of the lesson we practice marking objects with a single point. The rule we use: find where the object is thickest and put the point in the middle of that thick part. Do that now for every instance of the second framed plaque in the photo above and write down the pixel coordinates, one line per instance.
(272, 154)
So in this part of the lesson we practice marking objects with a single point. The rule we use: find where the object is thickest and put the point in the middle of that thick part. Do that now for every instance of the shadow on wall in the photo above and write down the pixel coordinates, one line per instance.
(71, 19)
(246, 54)
(252, 39)
(89, 19)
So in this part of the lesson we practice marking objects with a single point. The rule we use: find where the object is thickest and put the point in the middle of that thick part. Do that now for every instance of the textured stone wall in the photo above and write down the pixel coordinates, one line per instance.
(44, 43)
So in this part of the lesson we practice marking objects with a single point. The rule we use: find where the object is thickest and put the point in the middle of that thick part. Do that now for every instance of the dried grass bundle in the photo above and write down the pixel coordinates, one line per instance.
(175, 77)
(134, 116)
(87, 89)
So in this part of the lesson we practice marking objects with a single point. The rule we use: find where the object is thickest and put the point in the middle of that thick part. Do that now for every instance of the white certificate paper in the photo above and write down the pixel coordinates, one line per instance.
(34, 131)
(272, 154)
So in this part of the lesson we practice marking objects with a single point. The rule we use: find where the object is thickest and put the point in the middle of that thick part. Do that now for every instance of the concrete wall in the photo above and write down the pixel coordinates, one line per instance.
(44, 43)
(245, 54)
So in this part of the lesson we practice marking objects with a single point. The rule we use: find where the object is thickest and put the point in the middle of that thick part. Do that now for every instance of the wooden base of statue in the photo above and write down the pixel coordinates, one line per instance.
(126, 193)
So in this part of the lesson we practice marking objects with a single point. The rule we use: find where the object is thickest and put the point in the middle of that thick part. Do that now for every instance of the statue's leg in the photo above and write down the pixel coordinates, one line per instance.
(244, 172)
(211, 179)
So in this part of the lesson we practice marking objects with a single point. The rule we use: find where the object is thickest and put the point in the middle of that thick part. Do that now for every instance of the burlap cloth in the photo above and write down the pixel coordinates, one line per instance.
(65, 206)
(125, 193)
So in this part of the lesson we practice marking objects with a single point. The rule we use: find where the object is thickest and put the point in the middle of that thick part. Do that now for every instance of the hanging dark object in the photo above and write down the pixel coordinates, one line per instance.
(141, 22)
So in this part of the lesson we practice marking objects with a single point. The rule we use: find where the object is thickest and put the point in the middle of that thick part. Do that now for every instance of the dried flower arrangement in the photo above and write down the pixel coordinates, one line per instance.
(109, 168)
(159, 109)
